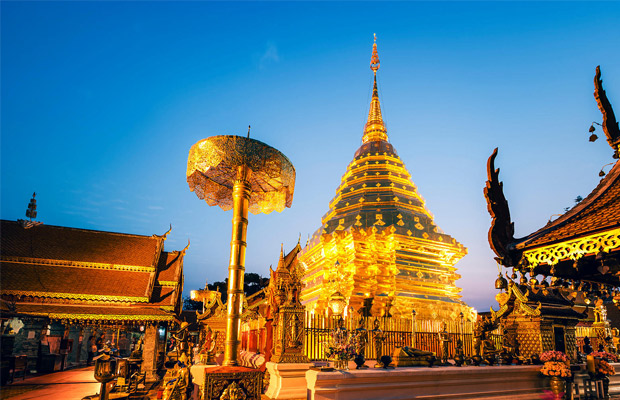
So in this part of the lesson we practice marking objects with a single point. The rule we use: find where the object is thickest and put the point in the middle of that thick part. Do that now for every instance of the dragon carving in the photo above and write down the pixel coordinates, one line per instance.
(502, 230)
(610, 125)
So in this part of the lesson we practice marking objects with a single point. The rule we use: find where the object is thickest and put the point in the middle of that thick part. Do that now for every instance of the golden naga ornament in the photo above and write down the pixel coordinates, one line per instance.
(246, 175)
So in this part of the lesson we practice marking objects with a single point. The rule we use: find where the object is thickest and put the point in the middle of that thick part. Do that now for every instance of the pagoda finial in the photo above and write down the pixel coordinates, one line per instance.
(374, 59)
(31, 212)
(374, 128)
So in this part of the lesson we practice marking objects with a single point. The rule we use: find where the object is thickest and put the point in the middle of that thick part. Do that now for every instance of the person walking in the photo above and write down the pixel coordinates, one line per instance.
(92, 349)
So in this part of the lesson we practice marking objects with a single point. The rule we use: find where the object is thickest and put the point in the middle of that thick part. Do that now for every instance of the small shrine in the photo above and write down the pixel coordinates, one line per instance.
(535, 322)
(286, 310)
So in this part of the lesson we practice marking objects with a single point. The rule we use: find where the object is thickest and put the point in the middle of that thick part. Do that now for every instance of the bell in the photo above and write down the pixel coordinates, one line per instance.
(501, 283)
(601, 173)
(533, 282)
(592, 128)
(523, 280)
(593, 137)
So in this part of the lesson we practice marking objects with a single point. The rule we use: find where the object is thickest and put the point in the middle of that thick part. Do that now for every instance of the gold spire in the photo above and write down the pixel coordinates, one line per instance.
(374, 128)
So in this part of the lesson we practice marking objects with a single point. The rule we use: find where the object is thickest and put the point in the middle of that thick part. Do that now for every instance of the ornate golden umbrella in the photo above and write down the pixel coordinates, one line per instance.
(246, 175)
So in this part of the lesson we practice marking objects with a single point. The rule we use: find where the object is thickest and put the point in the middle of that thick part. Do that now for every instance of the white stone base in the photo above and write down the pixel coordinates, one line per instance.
(498, 382)
(287, 380)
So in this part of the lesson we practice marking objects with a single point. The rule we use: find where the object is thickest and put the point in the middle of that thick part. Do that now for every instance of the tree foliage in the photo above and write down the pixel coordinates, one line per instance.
(252, 283)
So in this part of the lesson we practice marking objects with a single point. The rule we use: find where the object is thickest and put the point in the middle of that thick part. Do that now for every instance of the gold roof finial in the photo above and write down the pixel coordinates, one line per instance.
(375, 128)
(374, 60)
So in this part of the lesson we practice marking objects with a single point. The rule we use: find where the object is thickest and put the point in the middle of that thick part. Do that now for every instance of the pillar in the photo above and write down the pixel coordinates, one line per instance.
(27, 341)
(150, 352)
(88, 331)
(74, 338)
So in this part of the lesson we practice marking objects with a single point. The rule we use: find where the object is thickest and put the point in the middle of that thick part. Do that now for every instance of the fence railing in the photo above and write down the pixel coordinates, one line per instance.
(398, 332)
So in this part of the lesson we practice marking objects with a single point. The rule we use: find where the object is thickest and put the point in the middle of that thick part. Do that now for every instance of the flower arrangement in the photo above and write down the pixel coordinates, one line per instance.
(605, 356)
(553, 356)
(556, 368)
(340, 352)
(341, 345)
(603, 367)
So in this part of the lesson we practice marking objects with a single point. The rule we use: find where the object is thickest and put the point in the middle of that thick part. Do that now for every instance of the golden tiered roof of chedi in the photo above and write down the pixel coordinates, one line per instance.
(379, 240)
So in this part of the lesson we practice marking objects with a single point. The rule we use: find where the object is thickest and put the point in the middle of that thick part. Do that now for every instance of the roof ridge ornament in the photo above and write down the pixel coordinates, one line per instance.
(31, 213)
(165, 235)
(374, 129)
(610, 125)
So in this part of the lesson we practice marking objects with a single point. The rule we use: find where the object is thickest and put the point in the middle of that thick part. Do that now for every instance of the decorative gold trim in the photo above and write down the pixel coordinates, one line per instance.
(80, 296)
(108, 317)
(533, 312)
(167, 283)
(77, 264)
(574, 249)
(522, 297)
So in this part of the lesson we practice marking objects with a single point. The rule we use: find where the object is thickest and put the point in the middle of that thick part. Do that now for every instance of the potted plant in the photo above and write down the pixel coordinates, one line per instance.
(557, 367)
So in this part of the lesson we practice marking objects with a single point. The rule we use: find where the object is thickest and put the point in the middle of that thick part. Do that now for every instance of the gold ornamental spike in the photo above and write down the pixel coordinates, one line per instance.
(374, 60)
(375, 128)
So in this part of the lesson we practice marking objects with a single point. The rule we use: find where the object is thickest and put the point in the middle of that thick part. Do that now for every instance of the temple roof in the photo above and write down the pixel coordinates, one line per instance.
(78, 245)
(85, 270)
(598, 212)
(91, 313)
(57, 281)
(583, 244)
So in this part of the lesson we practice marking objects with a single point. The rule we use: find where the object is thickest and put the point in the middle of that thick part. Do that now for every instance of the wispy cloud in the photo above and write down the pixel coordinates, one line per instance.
(269, 56)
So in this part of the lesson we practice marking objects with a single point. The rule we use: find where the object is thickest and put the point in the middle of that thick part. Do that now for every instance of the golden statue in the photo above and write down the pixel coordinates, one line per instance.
(378, 338)
(445, 340)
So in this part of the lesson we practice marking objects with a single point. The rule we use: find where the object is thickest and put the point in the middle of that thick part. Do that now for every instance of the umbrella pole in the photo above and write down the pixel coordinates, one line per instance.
(236, 267)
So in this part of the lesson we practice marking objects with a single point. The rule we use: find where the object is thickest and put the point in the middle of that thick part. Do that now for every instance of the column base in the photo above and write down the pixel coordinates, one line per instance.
(287, 380)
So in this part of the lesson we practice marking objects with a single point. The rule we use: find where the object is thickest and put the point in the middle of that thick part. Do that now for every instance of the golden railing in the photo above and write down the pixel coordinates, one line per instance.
(398, 332)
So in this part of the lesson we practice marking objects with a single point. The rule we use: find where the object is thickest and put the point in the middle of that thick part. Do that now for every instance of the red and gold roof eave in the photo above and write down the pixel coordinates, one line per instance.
(607, 241)
(538, 250)
(77, 264)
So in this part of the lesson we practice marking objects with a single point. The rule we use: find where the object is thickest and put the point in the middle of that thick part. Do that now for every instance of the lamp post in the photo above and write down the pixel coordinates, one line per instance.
(248, 176)
(104, 373)
(337, 303)
(413, 328)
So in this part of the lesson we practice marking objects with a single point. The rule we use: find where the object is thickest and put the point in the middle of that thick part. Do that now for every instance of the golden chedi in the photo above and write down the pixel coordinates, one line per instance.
(379, 241)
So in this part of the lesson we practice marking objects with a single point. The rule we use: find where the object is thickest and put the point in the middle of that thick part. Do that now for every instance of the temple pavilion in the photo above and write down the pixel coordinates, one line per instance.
(378, 240)
(68, 283)
(574, 259)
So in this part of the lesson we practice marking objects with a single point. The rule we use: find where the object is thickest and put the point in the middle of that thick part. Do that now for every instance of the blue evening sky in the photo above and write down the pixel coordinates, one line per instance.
(101, 102)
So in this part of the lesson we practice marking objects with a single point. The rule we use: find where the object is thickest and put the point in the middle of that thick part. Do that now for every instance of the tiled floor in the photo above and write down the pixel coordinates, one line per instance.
(73, 384)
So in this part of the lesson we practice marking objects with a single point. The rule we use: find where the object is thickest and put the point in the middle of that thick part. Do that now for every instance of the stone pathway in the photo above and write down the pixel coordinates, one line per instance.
(73, 384)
